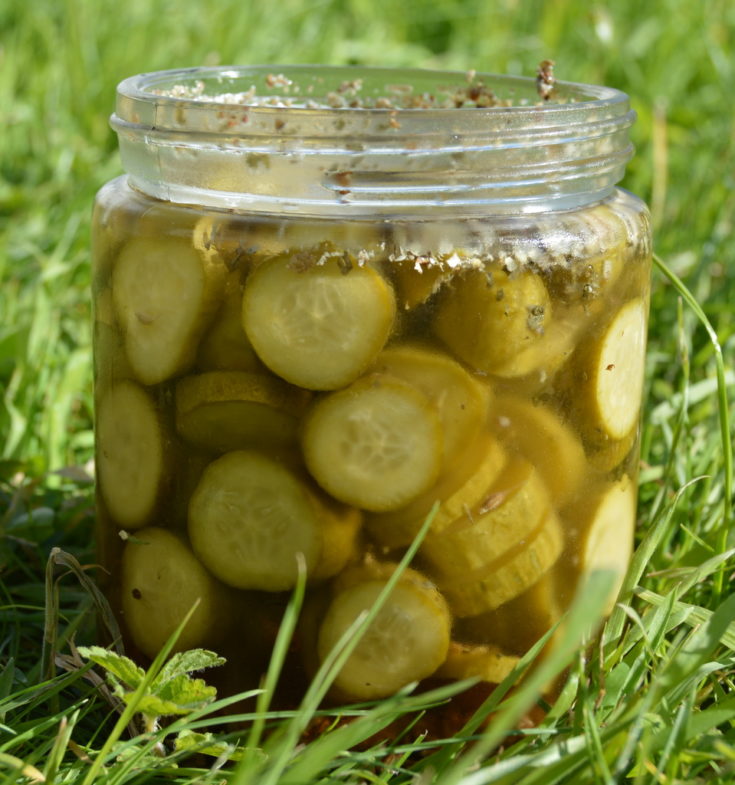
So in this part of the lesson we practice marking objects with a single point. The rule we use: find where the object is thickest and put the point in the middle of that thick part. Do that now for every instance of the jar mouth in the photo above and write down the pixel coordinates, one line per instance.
(369, 139)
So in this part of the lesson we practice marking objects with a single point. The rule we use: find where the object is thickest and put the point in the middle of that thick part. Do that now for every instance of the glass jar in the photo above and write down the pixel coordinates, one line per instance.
(332, 301)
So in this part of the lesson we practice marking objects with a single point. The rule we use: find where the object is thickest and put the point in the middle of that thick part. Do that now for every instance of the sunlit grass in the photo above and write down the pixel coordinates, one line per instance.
(652, 700)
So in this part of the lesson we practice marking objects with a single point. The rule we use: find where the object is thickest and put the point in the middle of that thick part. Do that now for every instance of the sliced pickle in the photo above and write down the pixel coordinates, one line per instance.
(461, 488)
(229, 410)
(418, 278)
(340, 525)
(131, 455)
(471, 594)
(461, 400)
(225, 347)
(539, 362)
(317, 325)
(165, 293)
(407, 640)
(376, 445)
(613, 372)
(516, 625)
(250, 517)
(539, 434)
(605, 524)
(488, 317)
(495, 528)
(161, 580)
(485, 662)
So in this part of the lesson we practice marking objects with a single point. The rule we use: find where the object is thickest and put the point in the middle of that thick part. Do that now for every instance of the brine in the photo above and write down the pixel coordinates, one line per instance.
(277, 394)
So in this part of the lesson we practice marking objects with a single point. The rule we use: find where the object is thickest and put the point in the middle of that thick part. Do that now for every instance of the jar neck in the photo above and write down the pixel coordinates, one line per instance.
(351, 142)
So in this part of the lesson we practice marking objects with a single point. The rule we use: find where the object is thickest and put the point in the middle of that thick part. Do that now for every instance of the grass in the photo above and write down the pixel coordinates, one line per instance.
(652, 700)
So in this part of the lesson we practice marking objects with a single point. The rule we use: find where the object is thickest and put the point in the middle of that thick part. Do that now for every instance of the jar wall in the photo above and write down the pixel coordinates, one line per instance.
(326, 381)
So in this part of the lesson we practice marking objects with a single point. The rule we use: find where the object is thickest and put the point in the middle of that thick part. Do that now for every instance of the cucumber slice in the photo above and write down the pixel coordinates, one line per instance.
(614, 367)
(485, 662)
(540, 361)
(340, 529)
(461, 400)
(613, 455)
(495, 528)
(131, 457)
(516, 625)
(406, 641)
(317, 326)
(160, 582)
(461, 488)
(228, 410)
(538, 433)
(417, 279)
(488, 317)
(607, 525)
(249, 517)
(225, 347)
(488, 588)
(375, 445)
(165, 293)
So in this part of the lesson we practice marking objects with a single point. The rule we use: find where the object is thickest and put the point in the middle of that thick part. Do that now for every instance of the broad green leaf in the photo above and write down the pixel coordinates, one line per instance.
(185, 691)
(185, 662)
(153, 706)
(208, 744)
(119, 666)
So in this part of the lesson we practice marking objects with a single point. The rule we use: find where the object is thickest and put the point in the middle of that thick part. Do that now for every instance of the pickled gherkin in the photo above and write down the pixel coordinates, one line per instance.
(277, 396)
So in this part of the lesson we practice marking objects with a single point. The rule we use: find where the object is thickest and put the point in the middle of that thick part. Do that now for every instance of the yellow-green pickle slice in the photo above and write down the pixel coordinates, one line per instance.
(131, 455)
(501, 522)
(480, 661)
(376, 445)
(160, 582)
(406, 641)
(229, 410)
(539, 434)
(314, 322)
(614, 367)
(165, 293)
(509, 576)
(461, 400)
(487, 318)
(606, 524)
(225, 347)
(459, 490)
(251, 517)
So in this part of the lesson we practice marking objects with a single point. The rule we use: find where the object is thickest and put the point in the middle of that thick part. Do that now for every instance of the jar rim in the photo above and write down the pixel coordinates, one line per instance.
(170, 87)
(503, 148)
